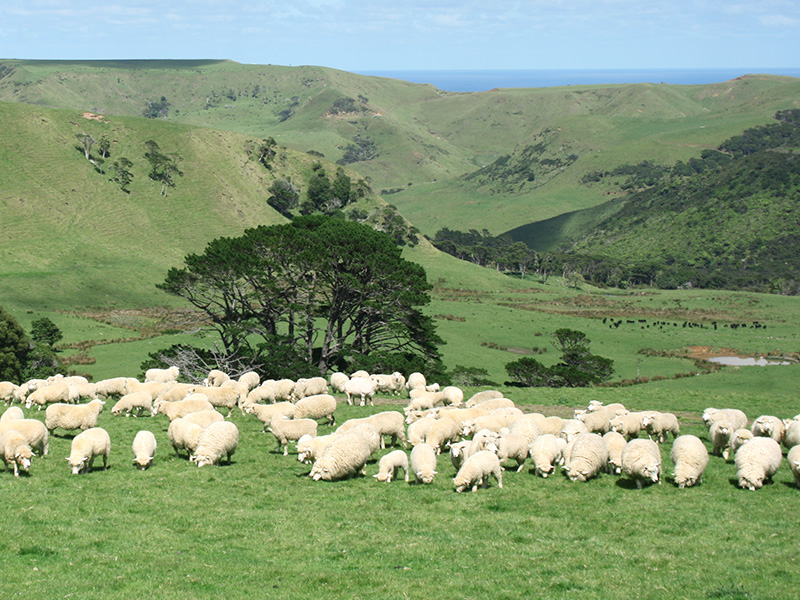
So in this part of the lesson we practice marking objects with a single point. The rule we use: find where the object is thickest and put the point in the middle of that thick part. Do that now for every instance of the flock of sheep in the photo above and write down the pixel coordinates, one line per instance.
(480, 434)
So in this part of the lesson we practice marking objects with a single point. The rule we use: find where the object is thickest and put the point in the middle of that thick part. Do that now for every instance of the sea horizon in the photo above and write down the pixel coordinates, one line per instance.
(481, 80)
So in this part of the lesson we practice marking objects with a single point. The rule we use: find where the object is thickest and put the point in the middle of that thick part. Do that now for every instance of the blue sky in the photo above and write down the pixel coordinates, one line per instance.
(437, 34)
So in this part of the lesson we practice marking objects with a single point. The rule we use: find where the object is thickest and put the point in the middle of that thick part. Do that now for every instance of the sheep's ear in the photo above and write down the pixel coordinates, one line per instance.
(436, 472)
(376, 475)
(67, 458)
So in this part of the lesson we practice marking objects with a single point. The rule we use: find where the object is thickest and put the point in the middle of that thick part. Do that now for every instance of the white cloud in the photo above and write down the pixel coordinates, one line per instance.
(778, 21)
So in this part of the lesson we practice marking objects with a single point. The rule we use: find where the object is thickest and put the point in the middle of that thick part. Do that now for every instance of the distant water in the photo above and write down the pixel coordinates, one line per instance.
(483, 80)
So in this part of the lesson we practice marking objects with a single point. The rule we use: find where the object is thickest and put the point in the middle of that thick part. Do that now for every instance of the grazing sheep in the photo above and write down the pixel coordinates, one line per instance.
(552, 425)
(204, 418)
(720, 436)
(484, 439)
(215, 378)
(452, 396)
(690, 458)
(16, 451)
(222, 397)
(495, 403)
(739, 438)
(171, 393)
(251, 379)
(526, 427)
(217, 441)
(491, 422)
(422, 400)
(757, 461)
(12, 413)
(304, 388)
(138, 401)
(629, 424)
(116, 386)
(181, 408)
(51, 394)
(458, 453)
(183, 435)
(659, 425)
(345, 456)
(769, 426)
(419, 429)
(572, 428)
(423, 463)
(162, 375)
(441, 433)
(390, 464)
(7, 391)
(360, 374)
(641, 461)
(481, 397)
(546, 451)
(513, 446)
(595, 421)
(309, 448)
(794, 463)
(615, 444)
(389, 422)
(73, 416)
(416, 381)
(271, 391)
(338, 380)
(265, 412)
(321, 406)
(791, 436)
(283, 389)
(362, 387)
(734, 416)
(34, 431)
(286, 430)
(476, 471)
(154, 388)
(86, 446)
(389, 384)
(587, 457)
(144, 449)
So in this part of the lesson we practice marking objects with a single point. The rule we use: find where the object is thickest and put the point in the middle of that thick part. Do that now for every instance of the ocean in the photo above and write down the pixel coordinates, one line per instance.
(484, 80)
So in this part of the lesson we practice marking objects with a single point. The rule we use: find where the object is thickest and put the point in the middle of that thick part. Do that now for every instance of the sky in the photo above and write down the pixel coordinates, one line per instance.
(374, 35)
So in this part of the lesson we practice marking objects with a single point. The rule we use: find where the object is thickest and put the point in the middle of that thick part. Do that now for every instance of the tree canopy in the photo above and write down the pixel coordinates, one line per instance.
(331, 290)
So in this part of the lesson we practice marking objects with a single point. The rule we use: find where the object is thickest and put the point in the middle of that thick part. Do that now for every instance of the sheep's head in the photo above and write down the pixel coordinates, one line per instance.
(23, 459)
(79, 465)
(202, 460)
(143, 463)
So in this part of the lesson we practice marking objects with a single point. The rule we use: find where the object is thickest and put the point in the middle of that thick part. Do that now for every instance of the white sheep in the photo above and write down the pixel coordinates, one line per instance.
(390, 464)
(422, 400)
(309, 387)
(363, 388)
(251, 379)
(739, 438)
(389, 384)
(389, 422)
(12, 413)
(419, 429)
(154, 388)
(265, 412)
(423, 463)
(16, 451)
(734, 416)
(641, 461)
(8, 391)
(345, 456)
(572, 428)
(452, 396)
(545, 452)
(458, 453)
(309, 447)
(551, 424)
(441, 433)
(481, 397)
(169, 393)
(116, 386)
(217, 441)
(139, 401)
(492, 422)
(587, 457)
(791, 436)
(215, 378)
(360, 374)
(690, 458)
(320, 406)
(658, 425)
(484, 439)
(793, 457)
(73, 416)
(494, 403)
(768, 426)
(513, 446)
(416, 381)
(526, 427)
(180, 408)
(476, 471)
(183, 435)
(144, 449)
(615, 444)
(86, 446)
(286, 430)
(720, 436)
(222, 397)
(51, 394)
(204, 418)
(162, 375)
(595, 421)
(757, 461)
(338, 380)
(34, 431)
(629, 424)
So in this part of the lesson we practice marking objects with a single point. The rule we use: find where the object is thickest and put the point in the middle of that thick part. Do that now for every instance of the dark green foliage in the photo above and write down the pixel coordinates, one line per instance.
(156, 109)
(363, 148)
(44, 331)
(122, 173)
(344, 105)
(15, 349)
(470, 377)
(284, 196)
(266, 151)
(481, 248)
(163, 167)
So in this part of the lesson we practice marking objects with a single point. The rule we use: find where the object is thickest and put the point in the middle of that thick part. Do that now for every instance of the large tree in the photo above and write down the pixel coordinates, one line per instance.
(332, 290)
(15, 348)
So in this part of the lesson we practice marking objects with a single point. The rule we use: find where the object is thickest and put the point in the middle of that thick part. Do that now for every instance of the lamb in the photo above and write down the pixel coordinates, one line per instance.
(458, 453)
(184, 435)
(720, 436)
(16, 451)
(546, 451)
(390, 464)
(88, 444)
(215, 378)
(416, 381)
(69, 416)
(423, 400)
(217, 441)
(162, 375)
(265, 412)
(757, 461)
(794, 463)
(12, 413)
(204, 418)
(51, 394)
(476, 471)
(587, 457)
(734, 416)
(739, 438)
(641, 461)
(181, 408)
(628, 425)
(615, 443)
(389, 384)
(791, 436)
(309, 448)
(251, 379)
(34, 431)
(443, 431)
(304, 388)
(452, 396)
(423, 463)
(321, 406)
(286, 430)
(344, 457)
(769, 426)
(513, 446)
(659, 425)
(338, 381)
(222, 397)
(419, 429)
(690, 458)
(572, 428)
(144, 449)
(137, 401)
(388, 422)
(361, 387)
(481, 397)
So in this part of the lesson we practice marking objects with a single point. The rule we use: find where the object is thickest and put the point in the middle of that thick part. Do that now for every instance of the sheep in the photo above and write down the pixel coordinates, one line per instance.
(419, 429)
(154, 388)
(360, 374)
(265, 412)
(458, 453)
(613, 410)
(321, 406)
(794, 463)
(587, 457)
(88, 444)
(720, 436)
(552, 424)
(34, 431)
(181, 408)
(572, 428)
(492, 422)
(162, 375)
(51, 394)
(416, 381)
(251, 379)
(791, 436)
(7, 391)
(304, 388)
(641, 461)
(170, 393)
(628, 425)
(138, 401)
(495, 403)
(12, 413)
(739, 438)
(768, 426)
(389, 384)
(390, 464)
(545, 452)
(345, 456)
(388, 422)
(513, 446)
(460, 414)
(595, 421)
(659, 425)
(338, 380)
(309, 448)
(16, 451)
(222, 397)
(282, 389)
(734, 416)
(423, 463)
(526, 427)
(215, 378)
(476, 471)
(116, 386)
(443, 431)
(69, 416)
(217, 441)
(285, 429)
(481, 397)
(423, 400)
(484, 439)
(183, 435)
(690, 458)
(757, 461)
(615, 444)
(511, 411)
(204, 418)
(361, 387)
(84, 391)
(144, 449)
